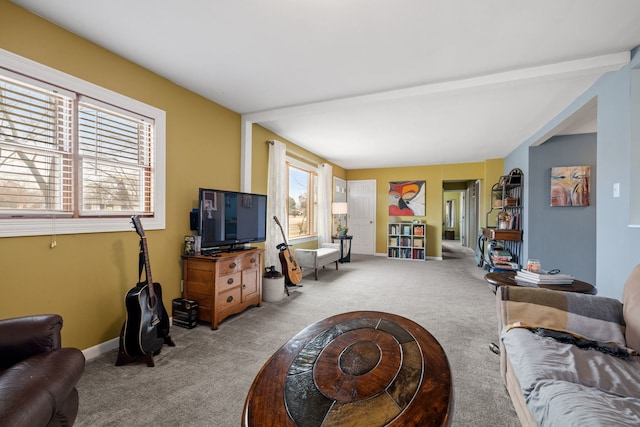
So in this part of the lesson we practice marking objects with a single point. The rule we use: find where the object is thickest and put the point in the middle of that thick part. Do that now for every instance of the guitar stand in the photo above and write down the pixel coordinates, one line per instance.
(124, 358)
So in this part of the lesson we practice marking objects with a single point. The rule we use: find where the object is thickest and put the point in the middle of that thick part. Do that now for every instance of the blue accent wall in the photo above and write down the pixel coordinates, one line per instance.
(562, 237)
(617, 246)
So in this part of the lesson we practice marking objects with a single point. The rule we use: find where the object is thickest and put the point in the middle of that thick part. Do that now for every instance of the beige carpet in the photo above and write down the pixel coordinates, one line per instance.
(203, 381)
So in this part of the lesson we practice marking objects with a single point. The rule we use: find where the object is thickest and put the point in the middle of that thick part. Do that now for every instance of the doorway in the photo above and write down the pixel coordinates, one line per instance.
(460, 203)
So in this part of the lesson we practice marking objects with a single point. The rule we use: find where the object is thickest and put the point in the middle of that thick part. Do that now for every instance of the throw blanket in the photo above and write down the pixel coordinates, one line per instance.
(587, 321)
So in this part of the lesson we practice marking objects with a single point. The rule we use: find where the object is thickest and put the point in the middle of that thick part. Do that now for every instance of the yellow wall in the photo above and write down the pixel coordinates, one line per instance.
(86, 276)
(487, 171)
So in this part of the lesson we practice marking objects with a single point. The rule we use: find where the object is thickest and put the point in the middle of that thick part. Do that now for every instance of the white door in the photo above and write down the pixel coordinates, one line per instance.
(463, 221)
(361, 201)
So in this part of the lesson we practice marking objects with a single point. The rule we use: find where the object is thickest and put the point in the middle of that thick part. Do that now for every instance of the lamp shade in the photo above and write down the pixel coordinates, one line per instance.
(339, 208)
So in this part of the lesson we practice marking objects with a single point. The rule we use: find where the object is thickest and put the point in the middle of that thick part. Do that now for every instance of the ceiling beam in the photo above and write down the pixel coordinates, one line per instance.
(567, 69)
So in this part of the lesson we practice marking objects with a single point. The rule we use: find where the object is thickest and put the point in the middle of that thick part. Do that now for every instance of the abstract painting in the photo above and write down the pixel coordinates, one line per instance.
(406, 198)
(570, 185)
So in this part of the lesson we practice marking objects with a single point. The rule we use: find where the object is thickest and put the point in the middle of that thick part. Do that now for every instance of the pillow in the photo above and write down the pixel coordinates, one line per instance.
(631, 308)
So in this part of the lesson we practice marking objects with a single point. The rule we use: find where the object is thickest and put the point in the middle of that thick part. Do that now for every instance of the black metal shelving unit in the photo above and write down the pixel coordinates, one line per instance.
(506, 205)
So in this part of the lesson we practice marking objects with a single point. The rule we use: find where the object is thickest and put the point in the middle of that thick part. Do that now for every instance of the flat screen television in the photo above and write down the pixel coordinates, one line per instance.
(230, 219)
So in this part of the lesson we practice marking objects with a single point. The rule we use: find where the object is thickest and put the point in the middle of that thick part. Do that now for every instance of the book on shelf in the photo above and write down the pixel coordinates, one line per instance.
(497, 255)
(506, 265)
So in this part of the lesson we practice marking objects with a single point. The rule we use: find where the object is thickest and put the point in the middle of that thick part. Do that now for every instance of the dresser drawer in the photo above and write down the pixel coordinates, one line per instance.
(229, 281)
(229, 265)
(229, 298)
(251, 261)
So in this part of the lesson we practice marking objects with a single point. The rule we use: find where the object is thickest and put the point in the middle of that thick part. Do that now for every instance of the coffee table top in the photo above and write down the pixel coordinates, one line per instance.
(363, 368)
(508, 278)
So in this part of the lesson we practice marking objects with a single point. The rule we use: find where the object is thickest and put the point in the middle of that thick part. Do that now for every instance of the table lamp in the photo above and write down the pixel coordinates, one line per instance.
(339, 208)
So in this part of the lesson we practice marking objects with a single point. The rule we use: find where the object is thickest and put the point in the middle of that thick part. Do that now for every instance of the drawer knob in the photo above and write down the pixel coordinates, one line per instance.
(244, 286)
(232, 265)
(253, 260)
(230, 281)
(229, 298)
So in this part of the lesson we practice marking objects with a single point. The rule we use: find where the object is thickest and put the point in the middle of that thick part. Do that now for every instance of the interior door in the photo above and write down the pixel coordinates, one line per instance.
(474, 209)
(463, 219)
(361, 200)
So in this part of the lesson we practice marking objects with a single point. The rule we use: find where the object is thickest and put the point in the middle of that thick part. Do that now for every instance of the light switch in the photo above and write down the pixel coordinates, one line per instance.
(616, 189)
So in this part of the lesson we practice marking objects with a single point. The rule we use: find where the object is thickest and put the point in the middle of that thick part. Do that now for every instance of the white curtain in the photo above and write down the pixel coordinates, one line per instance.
(276, 202)
(323, 214)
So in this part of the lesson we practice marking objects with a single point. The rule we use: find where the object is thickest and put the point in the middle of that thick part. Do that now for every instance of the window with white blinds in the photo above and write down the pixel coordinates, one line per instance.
(35, 150)
(115, 152)
(75, 153)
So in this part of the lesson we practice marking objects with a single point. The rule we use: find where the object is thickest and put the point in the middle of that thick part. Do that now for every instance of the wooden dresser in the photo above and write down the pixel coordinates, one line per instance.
(223, 284)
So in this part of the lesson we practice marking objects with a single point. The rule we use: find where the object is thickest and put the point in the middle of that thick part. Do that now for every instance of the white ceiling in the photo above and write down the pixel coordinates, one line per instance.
(380, 83)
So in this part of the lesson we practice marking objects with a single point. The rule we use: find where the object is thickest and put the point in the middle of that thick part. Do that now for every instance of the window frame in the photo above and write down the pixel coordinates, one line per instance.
(28, 226)
(313, 173)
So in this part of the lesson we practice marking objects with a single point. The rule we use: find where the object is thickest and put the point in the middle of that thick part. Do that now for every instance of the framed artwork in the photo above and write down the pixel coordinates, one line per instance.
(570, 185)
(407, 198)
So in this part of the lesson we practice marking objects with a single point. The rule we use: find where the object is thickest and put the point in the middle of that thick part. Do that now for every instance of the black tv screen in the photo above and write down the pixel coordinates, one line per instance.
(229, 218)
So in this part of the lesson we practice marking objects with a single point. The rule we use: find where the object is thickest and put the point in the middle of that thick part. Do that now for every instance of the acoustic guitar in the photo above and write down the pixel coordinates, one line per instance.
(290, 269)
(146, 328)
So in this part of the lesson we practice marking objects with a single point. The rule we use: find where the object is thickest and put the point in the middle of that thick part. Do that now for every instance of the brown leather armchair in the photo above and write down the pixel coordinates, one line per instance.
(37, 377)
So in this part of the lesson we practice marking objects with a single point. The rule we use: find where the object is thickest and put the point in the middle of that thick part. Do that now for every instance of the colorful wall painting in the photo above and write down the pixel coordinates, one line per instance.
(570, 186)
(407, 198)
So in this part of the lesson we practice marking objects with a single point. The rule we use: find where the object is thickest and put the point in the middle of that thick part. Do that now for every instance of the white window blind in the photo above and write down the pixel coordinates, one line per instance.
(76, 157)
(110, 161)
(116, 161)
(35, 150)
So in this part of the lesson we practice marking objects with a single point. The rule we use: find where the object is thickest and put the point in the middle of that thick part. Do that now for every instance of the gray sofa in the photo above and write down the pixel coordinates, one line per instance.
(571, 359)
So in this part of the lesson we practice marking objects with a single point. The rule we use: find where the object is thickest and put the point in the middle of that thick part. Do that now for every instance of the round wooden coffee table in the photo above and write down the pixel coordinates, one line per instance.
(508, 278)
(362, 368)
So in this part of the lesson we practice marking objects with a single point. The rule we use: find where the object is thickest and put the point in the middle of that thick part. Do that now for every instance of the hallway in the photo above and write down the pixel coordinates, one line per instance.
(452, 249)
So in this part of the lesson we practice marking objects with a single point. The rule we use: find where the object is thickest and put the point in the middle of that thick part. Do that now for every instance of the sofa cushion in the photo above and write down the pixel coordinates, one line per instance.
(315, 258)
(535, 358)
(560, 403)
(631, 308)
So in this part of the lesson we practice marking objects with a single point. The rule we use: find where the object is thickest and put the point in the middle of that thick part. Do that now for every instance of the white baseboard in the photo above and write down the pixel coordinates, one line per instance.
(100, 349)
(105, 347)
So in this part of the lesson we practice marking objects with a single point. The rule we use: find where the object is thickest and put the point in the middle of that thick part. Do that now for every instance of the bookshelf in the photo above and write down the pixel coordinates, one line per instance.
(406, 240)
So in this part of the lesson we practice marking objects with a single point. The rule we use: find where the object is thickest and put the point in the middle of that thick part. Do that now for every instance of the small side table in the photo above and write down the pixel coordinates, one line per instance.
(508, 278)
(344, 240)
